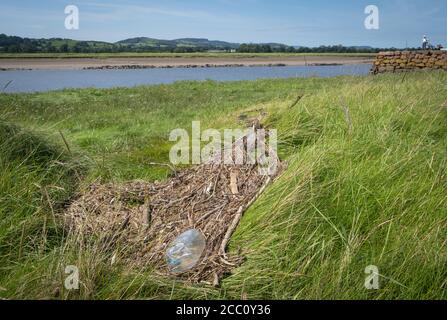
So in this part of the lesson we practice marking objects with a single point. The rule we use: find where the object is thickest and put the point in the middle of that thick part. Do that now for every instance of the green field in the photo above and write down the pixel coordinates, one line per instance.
(365, 185)
(173, 55)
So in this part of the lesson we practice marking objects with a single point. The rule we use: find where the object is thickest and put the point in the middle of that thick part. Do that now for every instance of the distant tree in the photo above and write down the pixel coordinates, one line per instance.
(64, 48)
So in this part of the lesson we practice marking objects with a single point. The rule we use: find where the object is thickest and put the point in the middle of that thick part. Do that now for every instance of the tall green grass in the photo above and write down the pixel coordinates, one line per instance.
(365, 185)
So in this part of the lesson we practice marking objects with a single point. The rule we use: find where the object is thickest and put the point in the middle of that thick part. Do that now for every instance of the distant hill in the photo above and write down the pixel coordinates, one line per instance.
(176, 43)
(215, 44)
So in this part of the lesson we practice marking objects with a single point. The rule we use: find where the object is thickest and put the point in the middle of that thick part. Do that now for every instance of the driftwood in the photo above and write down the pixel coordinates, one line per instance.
(233, 182)
(238, 217)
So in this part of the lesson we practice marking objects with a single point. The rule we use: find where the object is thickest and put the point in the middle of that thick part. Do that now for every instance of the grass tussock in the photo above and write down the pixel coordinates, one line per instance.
(365, 185)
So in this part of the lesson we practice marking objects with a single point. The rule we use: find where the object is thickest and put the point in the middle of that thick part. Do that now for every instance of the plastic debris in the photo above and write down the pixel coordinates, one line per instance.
(185, 251)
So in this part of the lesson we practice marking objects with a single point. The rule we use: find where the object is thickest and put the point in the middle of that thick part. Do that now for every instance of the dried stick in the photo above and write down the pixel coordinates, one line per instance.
(296, 101)
(233, 182)
(65, 142)
(238, 217)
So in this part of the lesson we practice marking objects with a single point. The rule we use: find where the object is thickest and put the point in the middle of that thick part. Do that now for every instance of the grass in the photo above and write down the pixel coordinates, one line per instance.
(173, 55)
(365, 185)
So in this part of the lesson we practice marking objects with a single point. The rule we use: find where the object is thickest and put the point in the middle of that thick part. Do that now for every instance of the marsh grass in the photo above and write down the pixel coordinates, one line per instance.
(365, 185)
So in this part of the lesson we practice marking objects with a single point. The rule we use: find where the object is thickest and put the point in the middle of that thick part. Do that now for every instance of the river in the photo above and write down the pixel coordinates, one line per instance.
(46, 80)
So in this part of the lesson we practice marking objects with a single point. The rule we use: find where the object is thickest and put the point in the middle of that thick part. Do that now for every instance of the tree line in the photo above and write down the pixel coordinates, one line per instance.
(13, 44)
(265, 48)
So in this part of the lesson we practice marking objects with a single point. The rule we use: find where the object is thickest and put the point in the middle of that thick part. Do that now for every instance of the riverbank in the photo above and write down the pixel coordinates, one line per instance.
(69, 63)
(365, 185)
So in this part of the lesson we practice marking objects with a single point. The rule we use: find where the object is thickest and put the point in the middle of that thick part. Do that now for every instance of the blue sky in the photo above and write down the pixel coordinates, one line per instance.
(308, 23)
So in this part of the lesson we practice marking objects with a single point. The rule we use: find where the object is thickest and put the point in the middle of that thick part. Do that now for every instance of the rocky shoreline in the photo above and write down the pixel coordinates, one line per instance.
(193, 66)
(187, 66)
(15, 69)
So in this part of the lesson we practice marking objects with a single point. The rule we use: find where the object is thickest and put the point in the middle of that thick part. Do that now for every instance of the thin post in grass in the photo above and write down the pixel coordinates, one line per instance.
(65, 142)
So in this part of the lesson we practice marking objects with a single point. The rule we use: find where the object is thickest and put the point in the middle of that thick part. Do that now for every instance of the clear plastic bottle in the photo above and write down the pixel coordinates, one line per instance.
(185, 251)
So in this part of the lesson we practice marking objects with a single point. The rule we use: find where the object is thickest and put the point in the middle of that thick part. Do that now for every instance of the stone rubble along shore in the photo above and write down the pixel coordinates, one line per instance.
(15, 69)
(136, 66)
(399, 61)
(188, 66)
(191, 66)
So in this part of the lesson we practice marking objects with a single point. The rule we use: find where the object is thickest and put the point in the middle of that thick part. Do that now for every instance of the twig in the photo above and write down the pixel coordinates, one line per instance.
(125, 223)
(238, 217)
(215, 280)
(206, 215)
(233, 182)
(295, 102)
(148, 215)
(65, 141)
(71, 154)
(264, 186)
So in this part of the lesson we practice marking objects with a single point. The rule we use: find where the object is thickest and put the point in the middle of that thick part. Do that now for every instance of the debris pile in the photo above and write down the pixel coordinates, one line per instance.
(143, 218)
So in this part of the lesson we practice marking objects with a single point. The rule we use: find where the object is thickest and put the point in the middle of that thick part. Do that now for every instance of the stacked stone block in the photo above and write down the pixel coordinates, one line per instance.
(398, 61)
